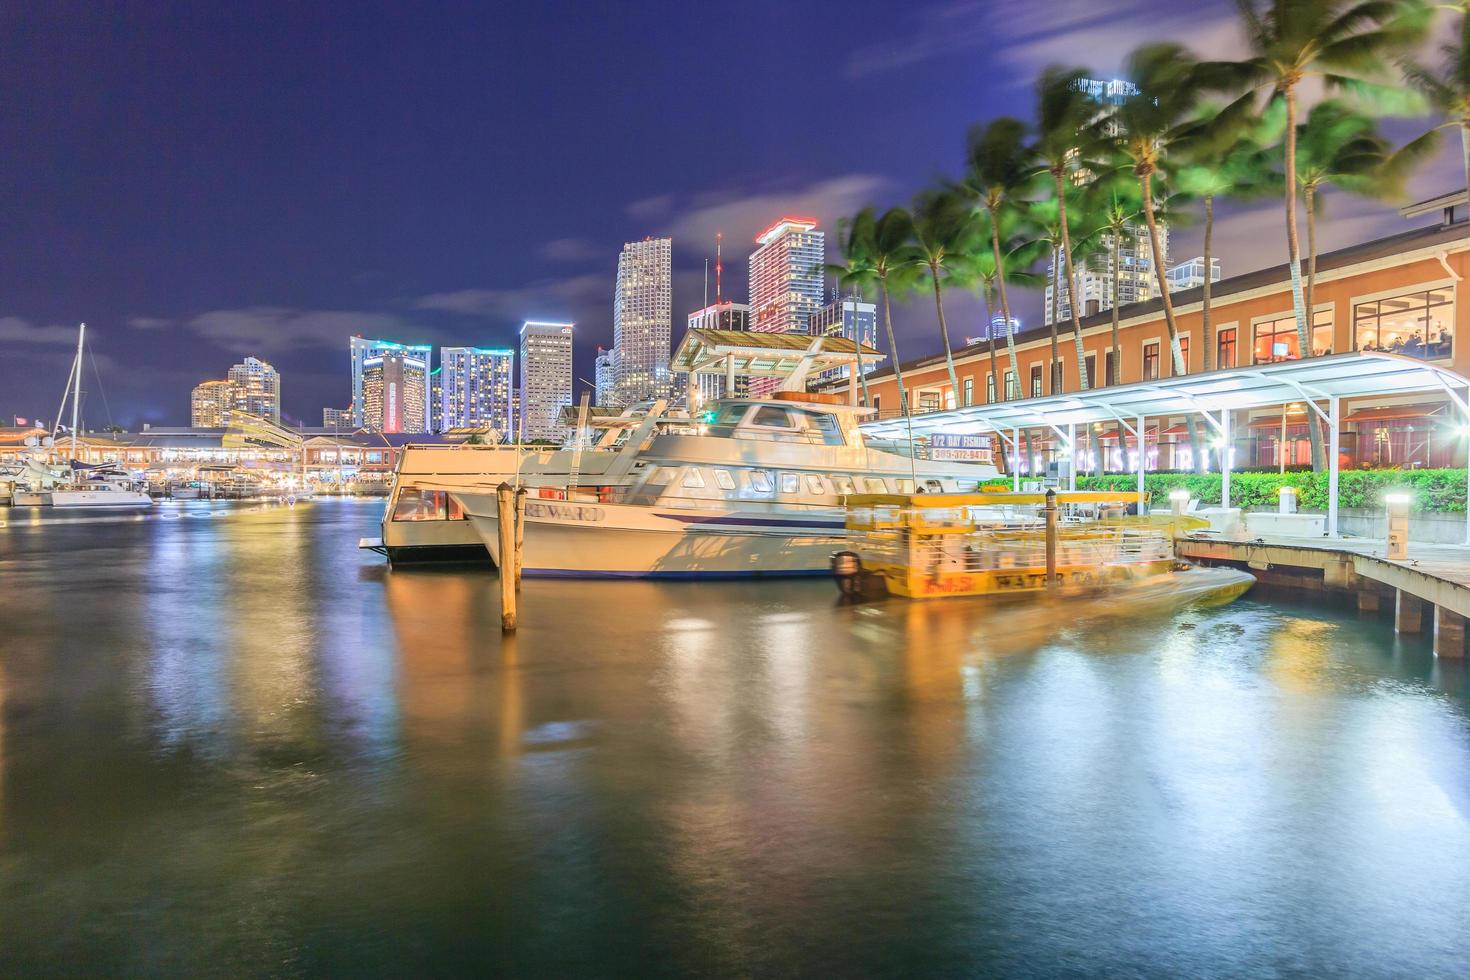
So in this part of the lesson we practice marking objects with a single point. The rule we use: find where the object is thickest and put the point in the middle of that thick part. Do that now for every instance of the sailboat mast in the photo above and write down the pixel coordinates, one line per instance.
(76, 392)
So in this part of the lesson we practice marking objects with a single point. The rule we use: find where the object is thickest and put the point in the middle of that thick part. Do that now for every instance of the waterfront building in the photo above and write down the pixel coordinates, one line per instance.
(1191, 274)
(475, 390)
(787, 275)
(642, 320)
(210, 404)
(337, 418)
(395, 392)
(847, 317)
(546, 378)
(255, 389)
(360, 349)
(605, 379)
(1405, 295)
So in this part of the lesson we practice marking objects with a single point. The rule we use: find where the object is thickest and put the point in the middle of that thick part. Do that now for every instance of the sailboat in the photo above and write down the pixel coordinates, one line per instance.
(109, 491)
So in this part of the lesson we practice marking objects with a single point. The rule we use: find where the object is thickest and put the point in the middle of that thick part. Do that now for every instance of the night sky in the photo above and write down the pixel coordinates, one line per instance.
(202, 181)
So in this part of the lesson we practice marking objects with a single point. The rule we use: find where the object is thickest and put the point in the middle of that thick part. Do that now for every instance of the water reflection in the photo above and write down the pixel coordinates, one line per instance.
(319, 765)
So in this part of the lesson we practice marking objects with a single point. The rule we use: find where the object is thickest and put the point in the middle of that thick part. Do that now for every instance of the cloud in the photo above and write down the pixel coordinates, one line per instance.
(149, 322)
(1100, 33)
(544, 298)
(571, 250)
(277, 329)
(17, 330)
(653, 208)
(741, 213)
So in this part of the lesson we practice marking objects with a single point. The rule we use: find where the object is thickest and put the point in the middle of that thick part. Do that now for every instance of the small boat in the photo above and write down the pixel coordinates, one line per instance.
(97, 493)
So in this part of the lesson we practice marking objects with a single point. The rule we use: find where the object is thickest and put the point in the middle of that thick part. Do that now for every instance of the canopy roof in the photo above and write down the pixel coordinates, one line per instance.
(1360, 374)
(766, 355)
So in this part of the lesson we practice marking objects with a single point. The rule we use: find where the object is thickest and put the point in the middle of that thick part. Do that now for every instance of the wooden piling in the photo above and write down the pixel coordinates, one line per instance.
(509, 572)
(520, 532)
(1051, 539)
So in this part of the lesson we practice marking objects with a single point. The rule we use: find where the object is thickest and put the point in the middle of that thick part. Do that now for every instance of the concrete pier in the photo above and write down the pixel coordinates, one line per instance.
(1408, 612)
(1449, 634)
(1369, 601)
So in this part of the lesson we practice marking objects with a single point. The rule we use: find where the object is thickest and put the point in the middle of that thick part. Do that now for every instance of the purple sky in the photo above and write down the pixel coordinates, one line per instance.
(202, 181)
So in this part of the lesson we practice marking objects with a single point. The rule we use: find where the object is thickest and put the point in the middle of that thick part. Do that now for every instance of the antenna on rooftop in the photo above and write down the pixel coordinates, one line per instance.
(719, 265)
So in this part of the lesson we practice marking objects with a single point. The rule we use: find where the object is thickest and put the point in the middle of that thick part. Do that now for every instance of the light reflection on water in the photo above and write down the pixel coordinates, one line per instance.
(235, 744)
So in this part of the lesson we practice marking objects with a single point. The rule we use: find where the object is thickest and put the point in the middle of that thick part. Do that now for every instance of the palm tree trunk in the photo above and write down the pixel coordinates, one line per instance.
(1206, 336)
(954, 381)
(1465, 150)
(1056, 314)
(1117, 282)
(1005, 303)
(1071, 283)
(1294, 259)
(858, 342)
(903, 396)
(1177, 355)
(990, 333)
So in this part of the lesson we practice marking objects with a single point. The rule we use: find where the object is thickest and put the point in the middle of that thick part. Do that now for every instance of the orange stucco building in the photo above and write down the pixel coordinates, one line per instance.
(1407, 294)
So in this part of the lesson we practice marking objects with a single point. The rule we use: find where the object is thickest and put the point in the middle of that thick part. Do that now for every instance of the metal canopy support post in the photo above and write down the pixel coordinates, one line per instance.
(1334, 439)
(1142, 442)
(1016, 460)
(729, 375)
(1072, 448)
(1225, 455)
(1463, 404)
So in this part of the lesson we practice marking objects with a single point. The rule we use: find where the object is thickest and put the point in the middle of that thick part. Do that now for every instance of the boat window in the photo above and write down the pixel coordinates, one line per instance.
(933, 486)
(790, 483)
(731, 414)
(760, 480)
(873, 485)
(693, 479)
(814, 484)
(905, 486)
(825, 425)
(843, 484)
(771, 415)
(661, 476)
(420, 505)
(724, 479)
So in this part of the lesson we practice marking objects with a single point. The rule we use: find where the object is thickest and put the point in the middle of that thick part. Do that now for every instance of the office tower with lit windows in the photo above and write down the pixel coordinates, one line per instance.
(337, 418)
(1136, 280)
(786, 283)
(850, 318)
(605, 379)
(210, 404)
(361, 349)
(475, 388)
(546, 378)
(1191, 274)
(255, 389)
(643, 320)
(395, 392)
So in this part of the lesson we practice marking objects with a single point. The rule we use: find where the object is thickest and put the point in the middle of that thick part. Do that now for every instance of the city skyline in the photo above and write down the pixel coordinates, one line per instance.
(367, 209)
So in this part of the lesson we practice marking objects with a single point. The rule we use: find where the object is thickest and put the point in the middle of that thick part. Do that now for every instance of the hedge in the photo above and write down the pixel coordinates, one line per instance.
(1441, 491)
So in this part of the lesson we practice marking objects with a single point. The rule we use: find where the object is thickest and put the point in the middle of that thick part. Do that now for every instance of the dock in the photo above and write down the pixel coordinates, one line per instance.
(1429, 589)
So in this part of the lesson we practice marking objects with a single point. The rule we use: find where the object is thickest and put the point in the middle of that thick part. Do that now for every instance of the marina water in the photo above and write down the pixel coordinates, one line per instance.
(230, 742)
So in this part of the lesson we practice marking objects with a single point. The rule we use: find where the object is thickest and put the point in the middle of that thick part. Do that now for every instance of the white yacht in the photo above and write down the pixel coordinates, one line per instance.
(758, 492)
(424, 523)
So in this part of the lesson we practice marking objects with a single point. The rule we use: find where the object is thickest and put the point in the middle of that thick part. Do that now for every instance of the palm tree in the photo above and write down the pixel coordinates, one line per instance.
(879, 245)
(1118, 208)
(1020, 252)
(1339, 146)
(996, 174)
(1346, 43)
(1068, 139)
(854, 272)
(1447, 87)
(944, 236)
(1064, 249)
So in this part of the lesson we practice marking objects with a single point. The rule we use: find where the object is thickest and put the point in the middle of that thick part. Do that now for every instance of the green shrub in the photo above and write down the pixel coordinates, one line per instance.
(1438, 491)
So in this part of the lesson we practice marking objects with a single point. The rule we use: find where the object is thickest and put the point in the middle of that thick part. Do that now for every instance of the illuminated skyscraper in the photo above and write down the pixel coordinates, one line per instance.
(362, 349)
(395, 392)
(605, 379)
(642, 320)
(210, 404)
(255, 388)
(850, 318)
(546, 378)
(786, 279)
(475, 384)
(721, 316)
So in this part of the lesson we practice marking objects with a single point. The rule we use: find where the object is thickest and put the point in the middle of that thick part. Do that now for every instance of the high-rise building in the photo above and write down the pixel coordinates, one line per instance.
(847, 317)
(255, 389)
(395, 392)
(210, 404)
(605, 379)
(642, 320)
(476, 385)
(1188, 275)
(362, 349)
(436, 396)
(1136, 279)
(546, 378)
(721, 316)
(337, 418)
(997, 329)
(786, 276)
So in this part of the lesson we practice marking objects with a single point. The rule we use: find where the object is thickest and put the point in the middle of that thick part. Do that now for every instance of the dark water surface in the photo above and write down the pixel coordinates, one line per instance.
(231, 743)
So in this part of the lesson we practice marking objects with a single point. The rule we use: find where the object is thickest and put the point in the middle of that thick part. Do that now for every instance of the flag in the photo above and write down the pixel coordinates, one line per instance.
(21, 421)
